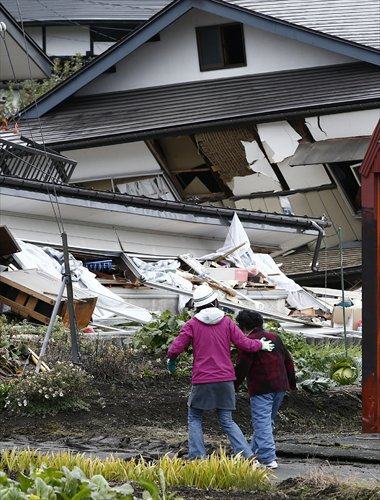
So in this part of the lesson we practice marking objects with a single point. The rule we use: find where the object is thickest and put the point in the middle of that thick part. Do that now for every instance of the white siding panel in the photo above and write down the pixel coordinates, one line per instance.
(106, 162)
(304, 176)
(103, 238)
(353, 222)
(67, 41)
(340, 125)
(273, 205)
(174, 59)
(300, 205)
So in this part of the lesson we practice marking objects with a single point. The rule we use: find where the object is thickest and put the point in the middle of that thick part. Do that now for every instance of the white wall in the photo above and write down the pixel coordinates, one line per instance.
(174, 58)
(121, 160)
(66, 41)
(340, 125)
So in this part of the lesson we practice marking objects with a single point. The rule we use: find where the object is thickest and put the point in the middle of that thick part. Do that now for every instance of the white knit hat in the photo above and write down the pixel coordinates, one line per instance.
(203, 295)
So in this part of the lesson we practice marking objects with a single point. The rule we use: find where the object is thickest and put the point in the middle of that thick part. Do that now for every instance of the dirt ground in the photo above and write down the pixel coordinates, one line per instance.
(156, 409)
(149, 416)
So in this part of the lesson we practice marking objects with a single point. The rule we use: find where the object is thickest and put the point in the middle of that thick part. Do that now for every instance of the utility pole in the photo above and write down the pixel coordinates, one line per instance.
(70, 303)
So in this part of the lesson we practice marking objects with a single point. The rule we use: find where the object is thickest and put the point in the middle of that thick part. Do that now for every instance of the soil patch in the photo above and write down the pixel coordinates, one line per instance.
(156, 409)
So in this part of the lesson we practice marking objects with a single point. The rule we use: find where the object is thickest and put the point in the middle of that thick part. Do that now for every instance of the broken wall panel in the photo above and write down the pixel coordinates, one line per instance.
(353, 124)
(279, 140)
(254, 183)
(304, 176)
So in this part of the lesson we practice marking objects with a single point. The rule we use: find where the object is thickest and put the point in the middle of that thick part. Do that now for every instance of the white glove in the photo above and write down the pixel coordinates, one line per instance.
(267, 345)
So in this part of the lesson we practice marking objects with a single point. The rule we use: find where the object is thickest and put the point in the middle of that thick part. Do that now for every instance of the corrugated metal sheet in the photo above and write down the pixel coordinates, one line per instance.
(299, 261)
(193, 106)
(331, 151)
(66, 11)
(357, 21)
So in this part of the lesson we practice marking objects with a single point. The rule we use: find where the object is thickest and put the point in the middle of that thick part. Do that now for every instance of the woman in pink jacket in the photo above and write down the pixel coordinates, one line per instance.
(211, 332)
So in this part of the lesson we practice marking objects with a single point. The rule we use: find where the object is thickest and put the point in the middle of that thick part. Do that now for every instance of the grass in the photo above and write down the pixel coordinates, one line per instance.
(217, 471)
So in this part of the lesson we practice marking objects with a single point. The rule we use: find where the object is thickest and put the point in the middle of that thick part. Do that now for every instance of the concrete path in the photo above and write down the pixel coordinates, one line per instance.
(352, 457)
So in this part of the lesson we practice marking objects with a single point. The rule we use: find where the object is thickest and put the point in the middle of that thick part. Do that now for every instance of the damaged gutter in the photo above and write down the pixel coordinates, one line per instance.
(300, 223)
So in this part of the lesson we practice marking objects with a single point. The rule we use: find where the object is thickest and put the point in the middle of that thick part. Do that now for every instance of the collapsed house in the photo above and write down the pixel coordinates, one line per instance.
(281, 128)
(167, 155)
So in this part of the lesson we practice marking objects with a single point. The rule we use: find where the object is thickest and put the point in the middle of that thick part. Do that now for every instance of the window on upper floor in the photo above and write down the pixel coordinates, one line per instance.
(221, 46)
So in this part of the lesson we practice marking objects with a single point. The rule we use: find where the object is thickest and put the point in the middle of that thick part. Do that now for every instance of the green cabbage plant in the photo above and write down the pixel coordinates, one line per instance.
(344, 371)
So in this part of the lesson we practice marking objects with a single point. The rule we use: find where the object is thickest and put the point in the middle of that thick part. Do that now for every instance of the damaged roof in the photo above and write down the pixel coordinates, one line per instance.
(159, 226)
(186, 107)
(175, 11)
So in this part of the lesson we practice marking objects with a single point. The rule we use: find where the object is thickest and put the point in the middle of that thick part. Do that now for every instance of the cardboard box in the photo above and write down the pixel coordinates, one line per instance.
(357, 316)
(337, 317)
(228, 273)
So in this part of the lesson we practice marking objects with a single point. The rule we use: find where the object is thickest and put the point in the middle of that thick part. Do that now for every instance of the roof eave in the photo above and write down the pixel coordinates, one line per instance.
(299, 223)
(213, 125)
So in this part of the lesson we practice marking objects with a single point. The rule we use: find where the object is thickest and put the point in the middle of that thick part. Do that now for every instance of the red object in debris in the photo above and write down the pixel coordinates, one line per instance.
(88, 329)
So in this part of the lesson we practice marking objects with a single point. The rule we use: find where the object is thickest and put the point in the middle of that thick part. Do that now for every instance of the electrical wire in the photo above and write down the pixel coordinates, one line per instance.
(54, 204)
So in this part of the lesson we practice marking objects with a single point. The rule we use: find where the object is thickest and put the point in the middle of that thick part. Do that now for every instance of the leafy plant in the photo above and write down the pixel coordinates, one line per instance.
(313, 363)
(22, 93)
(217, 471)
(50, 392)
(157, 335)
(344, 371)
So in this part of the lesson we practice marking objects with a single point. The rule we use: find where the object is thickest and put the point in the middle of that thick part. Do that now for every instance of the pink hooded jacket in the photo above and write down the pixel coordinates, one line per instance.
(211, 333)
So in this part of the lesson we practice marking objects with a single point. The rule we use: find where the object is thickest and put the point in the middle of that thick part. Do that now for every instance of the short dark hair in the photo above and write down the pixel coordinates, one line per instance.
(249, 320)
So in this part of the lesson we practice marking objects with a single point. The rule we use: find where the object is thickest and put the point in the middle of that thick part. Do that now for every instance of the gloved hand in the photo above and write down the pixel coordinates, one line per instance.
(267, 345)
(171, 365)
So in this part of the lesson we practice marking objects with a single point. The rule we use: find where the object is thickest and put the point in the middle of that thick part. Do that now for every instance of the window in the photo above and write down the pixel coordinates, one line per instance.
(221, 46)
(347, 177)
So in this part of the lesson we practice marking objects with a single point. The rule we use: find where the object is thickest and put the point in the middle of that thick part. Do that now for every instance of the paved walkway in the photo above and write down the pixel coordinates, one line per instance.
(353, 457)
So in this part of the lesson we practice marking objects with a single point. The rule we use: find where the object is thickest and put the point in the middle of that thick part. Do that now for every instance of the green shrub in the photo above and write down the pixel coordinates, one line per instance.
(50, 392)
(156, 336)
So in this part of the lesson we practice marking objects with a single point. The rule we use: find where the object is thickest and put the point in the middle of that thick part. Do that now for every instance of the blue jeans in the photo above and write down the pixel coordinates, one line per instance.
(263, 411)
(196, 442)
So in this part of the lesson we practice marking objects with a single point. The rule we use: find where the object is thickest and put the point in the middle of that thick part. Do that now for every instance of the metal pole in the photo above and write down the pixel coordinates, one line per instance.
(342, 287)
(51, 324)
(70, 303)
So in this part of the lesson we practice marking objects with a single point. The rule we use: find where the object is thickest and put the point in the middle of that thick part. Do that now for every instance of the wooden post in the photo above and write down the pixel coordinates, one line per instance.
(370, 185)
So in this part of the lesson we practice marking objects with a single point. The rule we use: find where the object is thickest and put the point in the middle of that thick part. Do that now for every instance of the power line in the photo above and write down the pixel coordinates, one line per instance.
(56, 209)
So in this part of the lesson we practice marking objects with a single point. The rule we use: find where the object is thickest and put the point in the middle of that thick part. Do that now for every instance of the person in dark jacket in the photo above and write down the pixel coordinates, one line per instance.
(268, 379)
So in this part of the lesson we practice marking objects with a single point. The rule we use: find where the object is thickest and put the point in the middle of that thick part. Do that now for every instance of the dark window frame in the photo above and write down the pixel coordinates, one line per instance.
(347, 177)
(222, 48)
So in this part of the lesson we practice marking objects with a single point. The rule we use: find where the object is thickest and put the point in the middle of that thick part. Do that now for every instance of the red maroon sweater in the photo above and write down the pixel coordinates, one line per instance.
(266, 371)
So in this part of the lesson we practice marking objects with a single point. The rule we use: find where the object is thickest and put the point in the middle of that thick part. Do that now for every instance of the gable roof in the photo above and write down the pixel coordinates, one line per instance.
(174, 11)
(351, 20)
(20, 56)
(346, 19)
(189, 107)
(66, 11)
